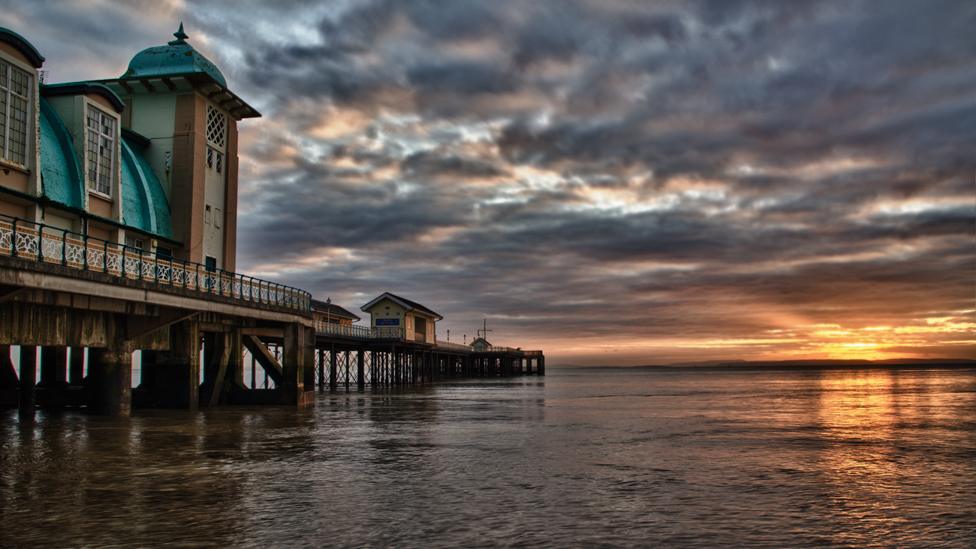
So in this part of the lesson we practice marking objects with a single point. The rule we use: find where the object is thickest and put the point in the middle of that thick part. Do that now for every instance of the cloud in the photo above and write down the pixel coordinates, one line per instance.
(613, 181)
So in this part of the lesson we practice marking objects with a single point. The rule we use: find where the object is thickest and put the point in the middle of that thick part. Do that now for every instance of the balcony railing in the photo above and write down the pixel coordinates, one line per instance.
(359, 332)
(46, 244)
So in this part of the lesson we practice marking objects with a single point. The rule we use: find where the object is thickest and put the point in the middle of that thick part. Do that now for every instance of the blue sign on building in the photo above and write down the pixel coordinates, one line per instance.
(387, 321)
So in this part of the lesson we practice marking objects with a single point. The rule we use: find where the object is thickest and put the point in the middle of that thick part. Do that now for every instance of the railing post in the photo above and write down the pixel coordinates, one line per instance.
(105, 256)
(122, 263)
(64, 246)
(40, 242)
(140, 263)
(13, 239)
(84, 244)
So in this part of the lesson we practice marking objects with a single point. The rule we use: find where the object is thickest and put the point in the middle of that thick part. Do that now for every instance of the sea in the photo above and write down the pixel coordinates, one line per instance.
(584, 457)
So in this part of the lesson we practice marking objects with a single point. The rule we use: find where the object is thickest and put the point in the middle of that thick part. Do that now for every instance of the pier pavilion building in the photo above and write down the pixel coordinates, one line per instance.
(402, 318)
(147, 159)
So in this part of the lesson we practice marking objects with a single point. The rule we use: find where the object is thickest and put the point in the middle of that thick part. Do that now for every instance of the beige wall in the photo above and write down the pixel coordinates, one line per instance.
(153, 116)
(387, 309)
(214, 196)
(11, 208)
(430, 332)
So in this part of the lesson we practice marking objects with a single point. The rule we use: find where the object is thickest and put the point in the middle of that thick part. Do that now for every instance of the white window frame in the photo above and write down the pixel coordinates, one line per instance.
(6, 89)
(113, 167)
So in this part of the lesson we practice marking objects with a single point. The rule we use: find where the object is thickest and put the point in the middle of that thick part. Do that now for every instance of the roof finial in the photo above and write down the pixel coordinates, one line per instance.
(180, 36)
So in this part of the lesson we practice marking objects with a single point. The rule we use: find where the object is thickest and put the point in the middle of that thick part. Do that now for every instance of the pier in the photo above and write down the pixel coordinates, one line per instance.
(118, 239)
(78, 305)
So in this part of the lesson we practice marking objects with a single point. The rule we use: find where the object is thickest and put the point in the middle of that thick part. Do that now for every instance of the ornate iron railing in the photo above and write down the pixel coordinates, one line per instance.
(47, 244)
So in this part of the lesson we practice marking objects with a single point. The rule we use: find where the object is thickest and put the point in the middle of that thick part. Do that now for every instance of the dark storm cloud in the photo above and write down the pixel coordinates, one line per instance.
(597, 172)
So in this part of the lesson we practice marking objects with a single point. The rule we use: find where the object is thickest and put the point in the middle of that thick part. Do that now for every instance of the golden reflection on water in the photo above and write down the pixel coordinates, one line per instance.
(863, 416)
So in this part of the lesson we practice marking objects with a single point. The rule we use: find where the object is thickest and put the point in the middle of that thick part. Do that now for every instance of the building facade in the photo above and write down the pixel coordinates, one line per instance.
(402, 318)
(147, 160)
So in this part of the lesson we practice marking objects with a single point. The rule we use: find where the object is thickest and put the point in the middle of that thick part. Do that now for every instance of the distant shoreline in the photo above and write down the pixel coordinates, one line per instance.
(791, 365)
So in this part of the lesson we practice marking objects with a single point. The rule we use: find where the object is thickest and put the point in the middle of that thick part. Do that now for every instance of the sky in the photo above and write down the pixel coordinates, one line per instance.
(615, 182)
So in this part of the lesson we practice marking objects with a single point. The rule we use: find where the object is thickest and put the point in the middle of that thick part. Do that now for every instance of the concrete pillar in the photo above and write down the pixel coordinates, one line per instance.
(293, 364)
(176, 382)
(110, 381)
(28, 381)
(213, 351)
(309, 350)
(235, 361)
(8, 375)
(54, 377)
(542, 365)
(54, 367)
(76, 369)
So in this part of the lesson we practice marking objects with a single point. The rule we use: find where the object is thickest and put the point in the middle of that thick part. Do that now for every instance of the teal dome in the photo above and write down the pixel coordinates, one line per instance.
(176, 57)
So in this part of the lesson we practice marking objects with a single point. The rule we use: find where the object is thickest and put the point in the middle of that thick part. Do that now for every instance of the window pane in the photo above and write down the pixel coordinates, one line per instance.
(216, 127)
(19, 81)
(17, 131)
(14, 100)
(101, 150)
(3, 121)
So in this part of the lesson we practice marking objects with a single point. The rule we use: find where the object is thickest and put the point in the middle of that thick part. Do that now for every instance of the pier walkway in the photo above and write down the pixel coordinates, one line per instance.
(81, 307)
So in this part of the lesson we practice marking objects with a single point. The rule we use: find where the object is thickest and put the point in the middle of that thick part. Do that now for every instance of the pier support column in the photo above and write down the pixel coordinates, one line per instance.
(333, 368)
(176, 382)
(54, 377)
(28, 381)
(76, 368)
(321, 368)
(110, 381)
(299, 342)
(361, 369)
(219, 374)
(8, 379)
(542, 366)
(235, 361)
(309, 370)
(54, 366)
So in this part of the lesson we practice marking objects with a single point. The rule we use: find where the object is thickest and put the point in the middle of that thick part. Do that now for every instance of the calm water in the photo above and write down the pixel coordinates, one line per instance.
(583, 457)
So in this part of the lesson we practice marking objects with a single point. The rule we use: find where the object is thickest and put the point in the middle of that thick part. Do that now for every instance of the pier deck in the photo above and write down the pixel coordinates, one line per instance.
(80, 308)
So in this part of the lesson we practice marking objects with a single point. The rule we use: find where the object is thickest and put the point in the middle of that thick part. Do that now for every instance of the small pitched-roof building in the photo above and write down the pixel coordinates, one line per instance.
(328, 313)
(148, 159)
(400, 318)
(480, 345)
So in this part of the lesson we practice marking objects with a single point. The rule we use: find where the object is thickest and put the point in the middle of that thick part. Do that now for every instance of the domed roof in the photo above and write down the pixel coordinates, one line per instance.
(176, 57)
